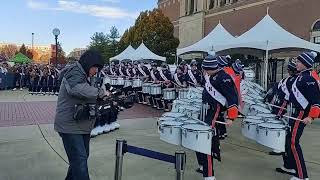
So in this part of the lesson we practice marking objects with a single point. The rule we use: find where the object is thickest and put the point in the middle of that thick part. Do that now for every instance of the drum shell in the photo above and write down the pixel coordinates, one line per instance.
(169, 94)
(199, 141)
(137, 83)
(114, 81)
(183, 93)
(127, 83)
(155, 90)
(272, 138)
(170, 134)
(120, 81)
(249, 129)
(146, 88)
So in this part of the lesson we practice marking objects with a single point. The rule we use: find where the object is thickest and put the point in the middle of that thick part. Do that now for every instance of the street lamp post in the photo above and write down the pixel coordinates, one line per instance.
(56, 33)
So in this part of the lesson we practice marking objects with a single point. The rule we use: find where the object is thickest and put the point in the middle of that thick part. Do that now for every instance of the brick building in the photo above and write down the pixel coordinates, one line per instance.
(194, 19)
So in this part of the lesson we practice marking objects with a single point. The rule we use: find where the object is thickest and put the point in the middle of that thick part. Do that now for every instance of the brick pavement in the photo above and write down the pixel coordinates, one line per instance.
(28, 113)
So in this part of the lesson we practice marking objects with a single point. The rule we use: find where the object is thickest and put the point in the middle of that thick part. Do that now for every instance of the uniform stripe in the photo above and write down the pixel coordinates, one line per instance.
(293, 147)
(284, 104)
(210, 169)
(209, 157)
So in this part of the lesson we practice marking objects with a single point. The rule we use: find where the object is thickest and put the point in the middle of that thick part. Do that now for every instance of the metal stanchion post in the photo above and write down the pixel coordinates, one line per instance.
(180, 164)
(119, 159)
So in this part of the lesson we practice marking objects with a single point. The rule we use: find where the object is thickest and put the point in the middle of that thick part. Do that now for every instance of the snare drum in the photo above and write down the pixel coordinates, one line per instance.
(197, 137)
(249, 128)
(272, 136)
(146, 88)
(183, 93)
(127, 83)
(114, 81)
(137, 83)
(155, 89)
(192, 112)
(170, 132)
(120, 81)
(169, 94)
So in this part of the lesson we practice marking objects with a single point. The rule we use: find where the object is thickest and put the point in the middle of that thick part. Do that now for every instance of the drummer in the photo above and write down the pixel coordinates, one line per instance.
(305, 101)
(128, 76)
(166, 78)
(137, 90)
(194, 75)
(144, 74)
(221, 95)
(155, 79)
(281, 96)
(184, 66)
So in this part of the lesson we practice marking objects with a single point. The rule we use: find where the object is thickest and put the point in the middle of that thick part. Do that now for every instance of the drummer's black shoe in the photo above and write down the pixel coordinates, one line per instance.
(272, 153)
(199, 170)
(284, 170)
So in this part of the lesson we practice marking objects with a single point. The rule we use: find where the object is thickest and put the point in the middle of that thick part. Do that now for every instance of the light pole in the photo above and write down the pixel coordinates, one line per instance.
(32, 41)
(56, 33)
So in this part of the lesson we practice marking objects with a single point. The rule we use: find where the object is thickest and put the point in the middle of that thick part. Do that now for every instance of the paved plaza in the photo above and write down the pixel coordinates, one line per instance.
(25, 155)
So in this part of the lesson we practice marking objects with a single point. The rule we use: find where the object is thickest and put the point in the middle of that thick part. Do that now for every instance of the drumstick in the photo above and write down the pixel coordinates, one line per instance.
(192, 83)
(275, 106)
(219, 122)
(296, 119)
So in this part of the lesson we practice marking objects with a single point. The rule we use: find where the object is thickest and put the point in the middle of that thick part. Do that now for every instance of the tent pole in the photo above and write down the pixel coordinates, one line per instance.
(266, 68)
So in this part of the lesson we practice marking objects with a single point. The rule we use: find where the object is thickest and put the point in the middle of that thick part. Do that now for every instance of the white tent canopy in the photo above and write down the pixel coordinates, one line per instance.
(268, 35)
(218, 36)
(143, 53)
(126, 54)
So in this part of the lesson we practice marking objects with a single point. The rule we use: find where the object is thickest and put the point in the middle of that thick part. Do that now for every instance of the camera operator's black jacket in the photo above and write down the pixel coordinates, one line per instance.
(75, 89)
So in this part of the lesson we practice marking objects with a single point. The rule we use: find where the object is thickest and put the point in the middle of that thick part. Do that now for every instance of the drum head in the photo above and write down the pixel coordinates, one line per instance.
(253, 121)
(171, 123)
(196, 127)
(173, 114)
(272, 126)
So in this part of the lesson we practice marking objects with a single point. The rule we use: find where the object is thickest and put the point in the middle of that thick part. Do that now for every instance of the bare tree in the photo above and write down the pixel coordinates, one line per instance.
(9, 51)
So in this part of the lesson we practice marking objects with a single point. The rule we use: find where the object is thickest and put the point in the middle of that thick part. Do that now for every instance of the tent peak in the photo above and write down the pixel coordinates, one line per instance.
(268, 10)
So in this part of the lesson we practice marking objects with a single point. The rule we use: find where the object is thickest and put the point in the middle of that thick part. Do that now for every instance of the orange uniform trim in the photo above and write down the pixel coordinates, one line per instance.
(314, 112)
(233, 113)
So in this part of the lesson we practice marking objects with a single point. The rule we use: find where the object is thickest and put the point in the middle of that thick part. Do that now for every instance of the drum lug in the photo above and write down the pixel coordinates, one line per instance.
(171, 130)
(266, 132)
(208, 135)
(197, 136)
(185, 134)
(278, 134)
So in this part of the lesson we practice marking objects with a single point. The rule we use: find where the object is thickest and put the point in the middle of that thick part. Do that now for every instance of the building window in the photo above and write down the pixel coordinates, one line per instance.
(191, 7)
(316, 40)
(211, 4)
(315, 32)
(186, 5)
(316, 26)
(223, 2)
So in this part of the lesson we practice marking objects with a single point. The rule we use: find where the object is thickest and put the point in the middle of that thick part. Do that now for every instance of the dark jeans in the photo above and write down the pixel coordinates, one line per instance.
(77, 150)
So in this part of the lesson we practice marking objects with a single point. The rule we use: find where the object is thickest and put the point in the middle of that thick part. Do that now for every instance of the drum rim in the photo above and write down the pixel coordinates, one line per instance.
(272, 128)
(194, 130)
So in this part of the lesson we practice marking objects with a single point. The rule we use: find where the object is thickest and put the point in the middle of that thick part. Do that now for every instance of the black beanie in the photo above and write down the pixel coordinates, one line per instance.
(90, 59)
